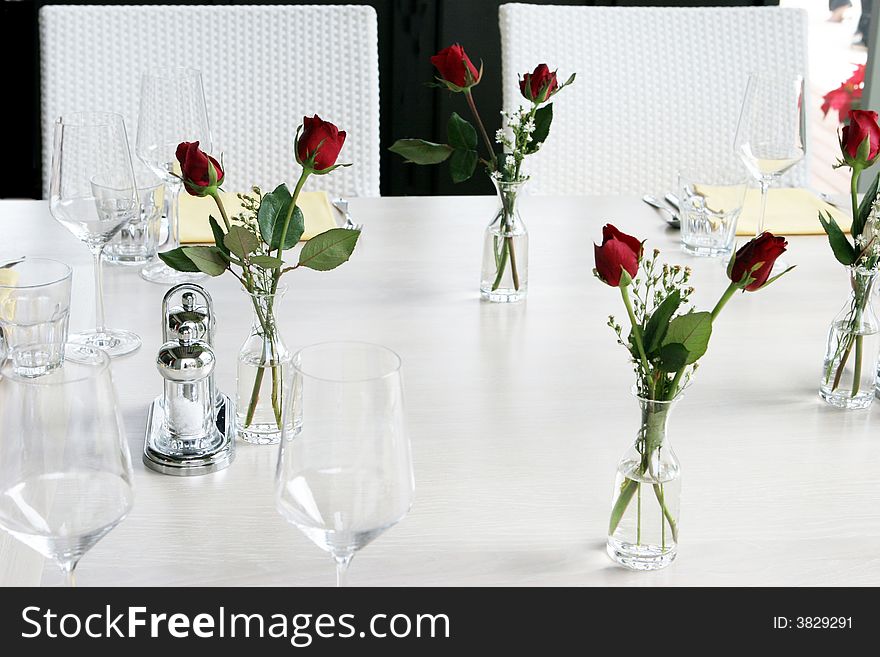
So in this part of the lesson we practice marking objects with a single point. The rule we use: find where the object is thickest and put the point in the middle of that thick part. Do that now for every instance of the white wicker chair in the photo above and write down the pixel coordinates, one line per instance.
(657, 88)
(264, 68)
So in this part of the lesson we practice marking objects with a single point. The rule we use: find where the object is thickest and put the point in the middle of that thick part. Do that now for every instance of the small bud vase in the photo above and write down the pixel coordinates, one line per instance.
(850, 366)
(264, 374)
(643, 529)
(505, 271)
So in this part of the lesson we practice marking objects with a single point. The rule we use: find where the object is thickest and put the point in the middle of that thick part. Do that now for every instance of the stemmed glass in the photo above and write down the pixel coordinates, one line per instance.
(172, 111)
(93, 194)
(65, 470)
(771, 134)
(344, 469)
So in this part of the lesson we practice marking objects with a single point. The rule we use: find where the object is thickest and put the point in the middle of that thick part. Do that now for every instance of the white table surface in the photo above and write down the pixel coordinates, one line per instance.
(518, 415)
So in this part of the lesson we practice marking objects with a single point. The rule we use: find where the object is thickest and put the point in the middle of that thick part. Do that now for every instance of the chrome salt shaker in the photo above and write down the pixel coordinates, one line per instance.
(186, 365)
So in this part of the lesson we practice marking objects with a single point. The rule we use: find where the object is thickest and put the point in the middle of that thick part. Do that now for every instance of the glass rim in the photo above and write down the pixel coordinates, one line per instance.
(395, 369)
(71, 351)
(66, 276)
(106, 119)
(279, 291)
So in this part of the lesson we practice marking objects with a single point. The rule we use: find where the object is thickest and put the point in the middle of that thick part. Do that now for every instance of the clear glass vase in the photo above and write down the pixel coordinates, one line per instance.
(505, 272)
(264, 374)
(850, 366)
(643, 529)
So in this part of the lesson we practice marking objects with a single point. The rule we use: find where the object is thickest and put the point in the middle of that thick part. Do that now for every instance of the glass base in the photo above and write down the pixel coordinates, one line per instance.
(640, 557)
(845, 398)
(703, 251)
(126, 260)
(503, 295)
(114, 342)
(259, 434)
(158, 272)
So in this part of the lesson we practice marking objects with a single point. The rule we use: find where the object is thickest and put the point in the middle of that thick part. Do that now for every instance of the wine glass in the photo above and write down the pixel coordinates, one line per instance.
(65, 470)
(172, 111)
(771, 134)
(93, 194)
(344, 469)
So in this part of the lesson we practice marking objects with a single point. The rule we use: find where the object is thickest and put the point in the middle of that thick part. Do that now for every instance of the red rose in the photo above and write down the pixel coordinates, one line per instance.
(841, 99)
(202, 174)
(319, 144)
(618, 252)
(762, 250)
(539, 85)
(455, 67)
(862, 126)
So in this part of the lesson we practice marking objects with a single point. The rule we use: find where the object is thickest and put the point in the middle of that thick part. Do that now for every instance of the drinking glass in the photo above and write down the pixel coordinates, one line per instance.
(65, 470)
(172, 111)
(93, 194)
(137, 241)
(34, 309)
(771, 134)
(344, 469)
(711, 202)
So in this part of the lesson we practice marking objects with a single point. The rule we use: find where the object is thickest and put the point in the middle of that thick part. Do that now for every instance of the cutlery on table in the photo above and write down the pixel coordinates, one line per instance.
(341, 206)
(669, 216)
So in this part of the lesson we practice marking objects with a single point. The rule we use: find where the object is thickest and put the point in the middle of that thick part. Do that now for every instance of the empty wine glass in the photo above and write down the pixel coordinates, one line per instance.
(771, 134)
(344, 469)
(93, 194)
(172, 110)
(65, 470)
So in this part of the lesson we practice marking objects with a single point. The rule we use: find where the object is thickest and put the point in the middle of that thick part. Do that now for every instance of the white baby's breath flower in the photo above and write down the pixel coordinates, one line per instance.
(510, 161)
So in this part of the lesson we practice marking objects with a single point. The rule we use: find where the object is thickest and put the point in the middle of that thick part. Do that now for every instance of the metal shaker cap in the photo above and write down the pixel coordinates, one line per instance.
(186, 359)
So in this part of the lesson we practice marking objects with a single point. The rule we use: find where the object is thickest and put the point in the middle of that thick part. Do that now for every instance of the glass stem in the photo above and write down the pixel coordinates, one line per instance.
(69, 570)
(173, 240)
(765, 188)
(342, 563)
(99, 288)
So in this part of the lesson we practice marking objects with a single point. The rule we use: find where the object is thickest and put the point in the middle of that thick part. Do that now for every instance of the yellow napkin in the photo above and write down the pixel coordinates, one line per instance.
(194, 211)
(790, 211)
(8, 279)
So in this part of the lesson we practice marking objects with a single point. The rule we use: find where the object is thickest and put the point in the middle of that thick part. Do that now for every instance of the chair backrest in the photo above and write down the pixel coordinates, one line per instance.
(264, 68)
(657, 88)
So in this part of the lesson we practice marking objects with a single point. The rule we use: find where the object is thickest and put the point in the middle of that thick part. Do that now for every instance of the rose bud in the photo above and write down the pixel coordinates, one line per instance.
(202, 174)
(539, 85)
(319, 144)
(860, 140)
(754, 261)
(619, 252)
(455, 68)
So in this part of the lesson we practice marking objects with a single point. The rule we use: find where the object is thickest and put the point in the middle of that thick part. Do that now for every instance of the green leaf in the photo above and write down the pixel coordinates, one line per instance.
(865, 207)
(219, 235)
(178, 260)
(673, 357)
(266, 262)
(692, 331)
(419, 151)
(329, 249)
(655, 329)
(272, 215)
(272, 207)
(240, 241)
(209, 259)
(543, 119)
(843, 250)
(462, 165)
(461, 134)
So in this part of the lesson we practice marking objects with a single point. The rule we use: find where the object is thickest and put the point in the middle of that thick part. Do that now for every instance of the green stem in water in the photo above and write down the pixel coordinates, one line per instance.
(639, 515)
(857, 367)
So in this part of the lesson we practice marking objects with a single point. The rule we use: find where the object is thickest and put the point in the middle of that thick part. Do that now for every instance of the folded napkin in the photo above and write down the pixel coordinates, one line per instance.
(790, 211)
(8, 279)
(194, 212)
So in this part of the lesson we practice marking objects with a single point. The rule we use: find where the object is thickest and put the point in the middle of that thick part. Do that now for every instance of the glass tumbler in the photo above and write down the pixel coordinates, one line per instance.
(711, 203)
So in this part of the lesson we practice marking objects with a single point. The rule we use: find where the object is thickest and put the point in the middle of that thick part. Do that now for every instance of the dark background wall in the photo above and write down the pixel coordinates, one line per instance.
(410, 31)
